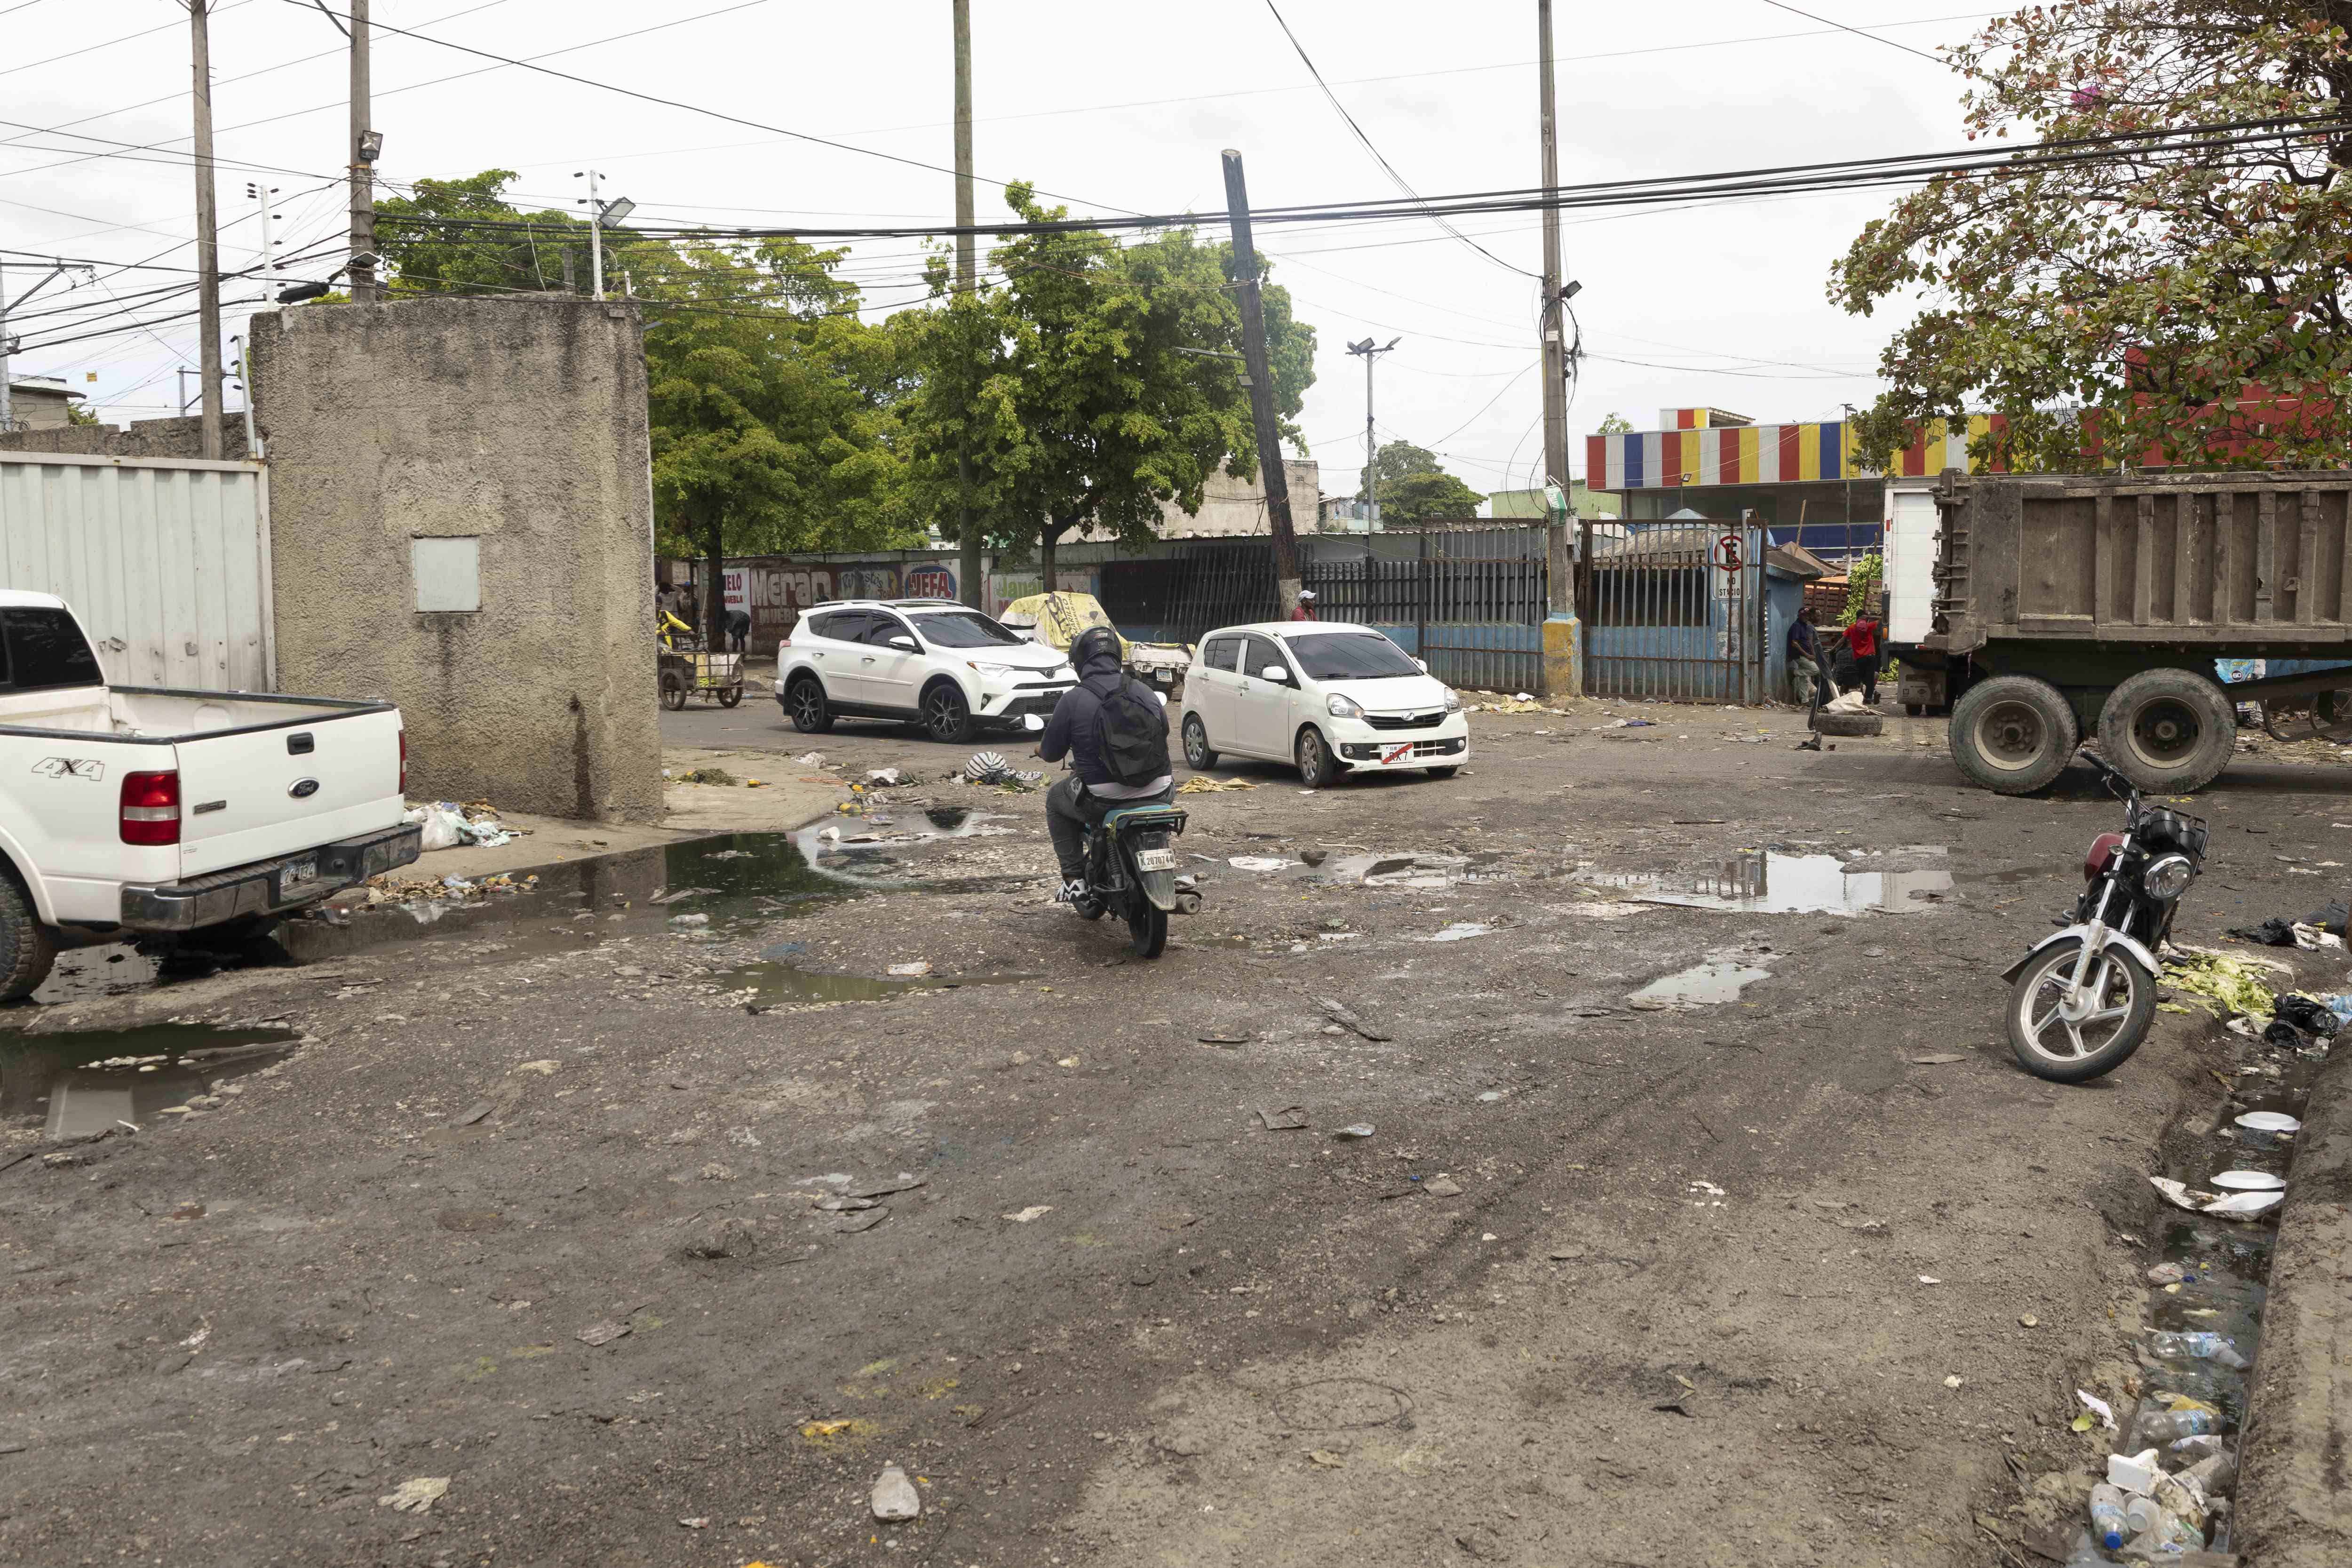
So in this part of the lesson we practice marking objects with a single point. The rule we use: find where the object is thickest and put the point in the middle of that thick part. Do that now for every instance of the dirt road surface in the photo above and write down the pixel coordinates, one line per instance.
(655, 1230)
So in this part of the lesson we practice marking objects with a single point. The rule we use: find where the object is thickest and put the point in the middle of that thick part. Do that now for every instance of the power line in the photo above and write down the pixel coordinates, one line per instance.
(1857, 32)
(92, 48)
(1390, 169)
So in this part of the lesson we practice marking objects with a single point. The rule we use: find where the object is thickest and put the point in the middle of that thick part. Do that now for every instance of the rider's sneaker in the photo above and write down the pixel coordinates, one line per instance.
(1073, 891)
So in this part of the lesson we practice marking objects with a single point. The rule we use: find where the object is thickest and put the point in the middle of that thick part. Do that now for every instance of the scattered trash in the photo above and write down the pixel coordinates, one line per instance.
(1258, 863)
(2244, 1205)
(1282, 1119)
(706, 776)
(888, 778)
(2170, 1274)
(1354, 1132)
(1201, 784)
(895, 1496)
(1954, 1381)
(811, 759)
(1036, 1210)
(2097, 1407)
(919, 967)
(1937, 1060)
(2133, 1473)
(2312, 1017)
(1461, 930)
(2108, 1519)
(1929, 1279)
(2233, 984)
(602, 1334)
(2270, 1122)
(2249, 1181)
(1343, 1014)
(703, 1523)
(987, 767)
(689, 920)
(416, 1496)
(2176, 1346)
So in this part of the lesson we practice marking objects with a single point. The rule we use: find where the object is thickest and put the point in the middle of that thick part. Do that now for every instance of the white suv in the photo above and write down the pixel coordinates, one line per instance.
(1331, 697)
(932, 662)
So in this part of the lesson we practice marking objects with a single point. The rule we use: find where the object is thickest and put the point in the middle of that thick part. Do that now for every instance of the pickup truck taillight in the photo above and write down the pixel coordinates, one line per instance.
(150, 808)
(403, 765)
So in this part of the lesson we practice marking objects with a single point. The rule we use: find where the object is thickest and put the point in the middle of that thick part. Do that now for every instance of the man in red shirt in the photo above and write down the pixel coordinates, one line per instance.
(1305, 610)
(1864, 638)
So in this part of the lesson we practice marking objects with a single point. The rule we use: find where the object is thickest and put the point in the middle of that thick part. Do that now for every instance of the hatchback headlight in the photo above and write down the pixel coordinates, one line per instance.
(1340, 707)
(2168, 877)
(1454, 702)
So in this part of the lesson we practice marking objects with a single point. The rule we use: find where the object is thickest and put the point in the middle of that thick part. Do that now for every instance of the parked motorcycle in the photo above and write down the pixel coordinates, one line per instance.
(2080, 1002)
(1132, 871)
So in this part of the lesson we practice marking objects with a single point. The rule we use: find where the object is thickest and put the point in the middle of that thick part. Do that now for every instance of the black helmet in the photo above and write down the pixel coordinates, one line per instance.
(1090, 642)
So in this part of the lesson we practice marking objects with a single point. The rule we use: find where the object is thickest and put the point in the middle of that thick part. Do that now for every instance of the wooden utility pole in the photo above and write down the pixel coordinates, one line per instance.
(967, 282)
(1271, 473)
(208, 320)
(362, 262)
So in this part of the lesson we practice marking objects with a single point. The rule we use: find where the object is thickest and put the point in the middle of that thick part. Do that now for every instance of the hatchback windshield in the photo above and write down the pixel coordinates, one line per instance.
(966, 630)
(1350, 655)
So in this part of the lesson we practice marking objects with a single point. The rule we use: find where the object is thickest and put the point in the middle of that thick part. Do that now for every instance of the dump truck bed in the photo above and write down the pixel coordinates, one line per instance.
(2243, 563)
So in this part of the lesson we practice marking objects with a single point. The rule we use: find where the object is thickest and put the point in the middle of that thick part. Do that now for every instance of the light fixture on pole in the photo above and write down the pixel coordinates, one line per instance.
(1371, 447)
(600, 212)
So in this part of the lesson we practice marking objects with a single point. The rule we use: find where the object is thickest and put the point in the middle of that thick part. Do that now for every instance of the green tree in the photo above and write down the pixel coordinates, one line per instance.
(2153, 289)
(1067, 385)
(1398, 461)
(1614, 424)
(434, 247)
(1420, 498)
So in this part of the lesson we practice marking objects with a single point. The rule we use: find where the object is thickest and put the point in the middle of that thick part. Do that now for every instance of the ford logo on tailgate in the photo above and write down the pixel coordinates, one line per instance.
(303, 789)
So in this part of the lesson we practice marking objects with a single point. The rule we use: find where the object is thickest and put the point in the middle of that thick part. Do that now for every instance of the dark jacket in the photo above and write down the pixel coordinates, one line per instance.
(1802, 641)
(1075, 729)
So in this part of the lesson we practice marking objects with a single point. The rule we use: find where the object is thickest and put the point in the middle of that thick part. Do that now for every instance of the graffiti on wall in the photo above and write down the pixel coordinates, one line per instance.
(776, 589)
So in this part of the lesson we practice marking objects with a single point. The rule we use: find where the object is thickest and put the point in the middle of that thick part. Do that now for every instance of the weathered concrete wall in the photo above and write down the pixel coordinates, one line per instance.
(143, 438)
(517, 422)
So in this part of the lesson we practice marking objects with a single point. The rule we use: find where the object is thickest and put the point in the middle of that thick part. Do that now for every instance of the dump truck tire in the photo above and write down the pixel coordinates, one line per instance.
(2013, 734)
(2168, 730)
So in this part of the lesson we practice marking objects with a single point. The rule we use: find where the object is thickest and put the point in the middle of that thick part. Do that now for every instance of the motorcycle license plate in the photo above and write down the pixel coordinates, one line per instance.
(1155, 859)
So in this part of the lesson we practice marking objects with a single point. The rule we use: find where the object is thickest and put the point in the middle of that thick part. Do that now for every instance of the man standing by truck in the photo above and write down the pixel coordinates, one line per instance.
(1863, 639)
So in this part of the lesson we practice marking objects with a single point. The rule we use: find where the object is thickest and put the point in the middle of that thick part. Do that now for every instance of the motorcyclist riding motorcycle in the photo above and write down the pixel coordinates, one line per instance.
(1092, 788)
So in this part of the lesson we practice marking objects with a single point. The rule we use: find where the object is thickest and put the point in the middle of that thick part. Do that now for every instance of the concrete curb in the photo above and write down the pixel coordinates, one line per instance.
(2294, 1500)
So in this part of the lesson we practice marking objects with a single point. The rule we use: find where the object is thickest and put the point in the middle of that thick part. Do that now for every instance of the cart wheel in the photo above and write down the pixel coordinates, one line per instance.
(673, 691)
(731, 695)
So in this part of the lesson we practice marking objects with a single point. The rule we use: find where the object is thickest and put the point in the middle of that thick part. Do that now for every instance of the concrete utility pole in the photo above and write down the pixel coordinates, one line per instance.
(1562, 635)
(365, 143)
(1371, 445)
(261, 192)
(595, 235)
(1271, 473)
(967, 280)
(7, 344)
(209, 356)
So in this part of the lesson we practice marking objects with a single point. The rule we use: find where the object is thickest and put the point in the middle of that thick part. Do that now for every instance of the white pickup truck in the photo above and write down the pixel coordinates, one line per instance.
(129, 813)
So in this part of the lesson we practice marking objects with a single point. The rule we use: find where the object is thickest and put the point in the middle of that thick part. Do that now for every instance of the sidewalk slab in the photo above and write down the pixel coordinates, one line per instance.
(2295, 1504)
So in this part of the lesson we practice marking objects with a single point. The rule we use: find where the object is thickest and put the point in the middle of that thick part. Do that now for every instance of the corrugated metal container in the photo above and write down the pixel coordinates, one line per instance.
(165, 559)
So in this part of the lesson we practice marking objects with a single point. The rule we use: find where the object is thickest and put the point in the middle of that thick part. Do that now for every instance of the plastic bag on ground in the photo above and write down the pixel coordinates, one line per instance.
(444, 826)
(1845, 702)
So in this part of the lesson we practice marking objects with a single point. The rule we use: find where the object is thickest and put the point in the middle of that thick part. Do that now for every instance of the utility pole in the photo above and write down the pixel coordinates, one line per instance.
(7, 344)
(1271, 475)
(1371, 446)
(967, 282)
(364, 146)
(183, 373)
(595, 204)
(1561, 633)
(207, 234)
(257, 191)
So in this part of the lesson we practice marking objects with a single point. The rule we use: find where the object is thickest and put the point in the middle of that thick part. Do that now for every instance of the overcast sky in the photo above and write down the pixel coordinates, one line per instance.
(1113, 106)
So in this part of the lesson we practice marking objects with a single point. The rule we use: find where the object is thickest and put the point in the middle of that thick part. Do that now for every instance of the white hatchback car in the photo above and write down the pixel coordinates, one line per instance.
(1331, 697)
(931, 662)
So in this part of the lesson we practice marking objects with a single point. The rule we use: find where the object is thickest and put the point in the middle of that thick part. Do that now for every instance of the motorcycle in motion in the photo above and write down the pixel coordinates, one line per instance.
(1132, 869)
(2080, 1002)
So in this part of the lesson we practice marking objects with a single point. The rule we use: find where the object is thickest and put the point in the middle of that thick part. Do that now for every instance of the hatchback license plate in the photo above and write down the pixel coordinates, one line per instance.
(298, 874)
(1155, 859)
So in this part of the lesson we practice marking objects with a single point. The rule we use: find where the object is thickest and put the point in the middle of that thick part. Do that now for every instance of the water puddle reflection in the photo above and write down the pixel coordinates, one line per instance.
(1767, 881)
(91, 1080)
(1708, 984)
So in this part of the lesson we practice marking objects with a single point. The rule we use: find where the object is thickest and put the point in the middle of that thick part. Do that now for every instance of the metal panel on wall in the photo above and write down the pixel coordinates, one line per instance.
(165, 561)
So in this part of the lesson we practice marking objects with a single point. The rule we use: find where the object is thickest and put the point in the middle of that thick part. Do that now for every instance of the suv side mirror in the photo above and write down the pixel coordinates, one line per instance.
(1275, 673)
(907, 644)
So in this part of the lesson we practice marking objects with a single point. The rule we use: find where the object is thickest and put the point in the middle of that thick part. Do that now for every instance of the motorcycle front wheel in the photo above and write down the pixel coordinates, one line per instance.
(2049, 1044)
(1147, 925)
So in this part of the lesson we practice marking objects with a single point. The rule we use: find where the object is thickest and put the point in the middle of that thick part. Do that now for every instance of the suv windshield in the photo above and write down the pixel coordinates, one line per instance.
(966, 630)
(1350, 655)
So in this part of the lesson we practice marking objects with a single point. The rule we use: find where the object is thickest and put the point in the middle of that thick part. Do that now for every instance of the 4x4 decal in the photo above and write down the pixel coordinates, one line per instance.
(88, 768)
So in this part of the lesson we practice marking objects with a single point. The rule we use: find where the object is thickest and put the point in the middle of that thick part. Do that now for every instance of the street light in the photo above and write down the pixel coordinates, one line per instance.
(600, 212)
(1372, 448)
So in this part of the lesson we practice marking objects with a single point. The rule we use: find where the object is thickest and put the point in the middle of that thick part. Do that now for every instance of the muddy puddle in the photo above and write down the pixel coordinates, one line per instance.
(1767, 881)
(881, 853)
(94, 1080)
(776, 979)
(1719, 980)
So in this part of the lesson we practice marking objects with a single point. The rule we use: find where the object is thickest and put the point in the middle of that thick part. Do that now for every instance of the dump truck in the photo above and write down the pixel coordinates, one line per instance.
(2072, 607)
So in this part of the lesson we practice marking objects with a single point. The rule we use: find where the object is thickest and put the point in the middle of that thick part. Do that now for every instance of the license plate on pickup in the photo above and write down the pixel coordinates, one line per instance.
(295, 875)
(1155, 859)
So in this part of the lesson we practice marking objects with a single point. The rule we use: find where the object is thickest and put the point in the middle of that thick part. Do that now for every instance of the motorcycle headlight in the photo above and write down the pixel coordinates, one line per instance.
(2168, 877)
(1454, 702)
(1340, 707)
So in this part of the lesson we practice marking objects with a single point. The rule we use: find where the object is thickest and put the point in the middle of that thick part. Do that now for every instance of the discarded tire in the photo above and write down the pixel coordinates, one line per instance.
(2168, 730)
(2013, 734)
(1837, 725)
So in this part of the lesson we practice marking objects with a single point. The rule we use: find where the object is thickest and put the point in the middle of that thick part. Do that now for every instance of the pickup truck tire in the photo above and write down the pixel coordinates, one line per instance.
(27, 948)
(2168, 730)
(2013, 734)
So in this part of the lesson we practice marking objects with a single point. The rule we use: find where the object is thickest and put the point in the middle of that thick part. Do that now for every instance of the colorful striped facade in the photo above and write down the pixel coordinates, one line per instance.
(1764, 455)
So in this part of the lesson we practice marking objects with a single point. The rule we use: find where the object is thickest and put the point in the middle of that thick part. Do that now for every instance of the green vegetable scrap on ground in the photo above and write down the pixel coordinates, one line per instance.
(2227, 985)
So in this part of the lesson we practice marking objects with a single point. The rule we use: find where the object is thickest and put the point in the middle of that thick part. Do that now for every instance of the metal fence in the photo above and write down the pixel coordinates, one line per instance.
(1674, 611)
(1193, 589)
(1468, 598)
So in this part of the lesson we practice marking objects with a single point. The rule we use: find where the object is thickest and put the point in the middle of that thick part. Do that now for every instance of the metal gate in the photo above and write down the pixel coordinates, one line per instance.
(165, 561)
(1469, 598)
(1674, 610)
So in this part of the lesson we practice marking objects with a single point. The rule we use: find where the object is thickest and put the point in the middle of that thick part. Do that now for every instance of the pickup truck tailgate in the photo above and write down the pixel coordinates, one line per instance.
(255, 793)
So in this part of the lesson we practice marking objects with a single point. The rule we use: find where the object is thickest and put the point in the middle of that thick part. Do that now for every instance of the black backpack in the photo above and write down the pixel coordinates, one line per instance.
(1134, 734)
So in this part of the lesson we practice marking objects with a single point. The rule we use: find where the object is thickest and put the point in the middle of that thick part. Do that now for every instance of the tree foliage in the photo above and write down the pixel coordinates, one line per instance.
(1395, 460)
(2190, 298)
(1415, 486)
(1614, 424)
(1067, 388)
